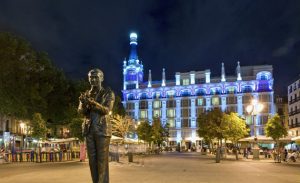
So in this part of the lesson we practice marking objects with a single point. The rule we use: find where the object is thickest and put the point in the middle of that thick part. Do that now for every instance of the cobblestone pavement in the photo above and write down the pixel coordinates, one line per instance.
(163, 168)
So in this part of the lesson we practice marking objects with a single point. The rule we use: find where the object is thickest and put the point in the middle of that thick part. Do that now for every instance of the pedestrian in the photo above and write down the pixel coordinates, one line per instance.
(285, 155)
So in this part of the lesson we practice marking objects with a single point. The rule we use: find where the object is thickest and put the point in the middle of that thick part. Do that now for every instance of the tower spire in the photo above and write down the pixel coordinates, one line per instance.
(133, 48)
(238, 71)
(149, 80)
(223, 73)
(163, 83)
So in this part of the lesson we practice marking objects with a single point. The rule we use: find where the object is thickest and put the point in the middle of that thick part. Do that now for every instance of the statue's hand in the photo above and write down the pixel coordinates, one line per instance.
(84, 99)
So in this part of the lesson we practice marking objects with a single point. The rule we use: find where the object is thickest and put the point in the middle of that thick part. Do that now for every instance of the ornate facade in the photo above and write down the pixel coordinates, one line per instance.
(179, 101)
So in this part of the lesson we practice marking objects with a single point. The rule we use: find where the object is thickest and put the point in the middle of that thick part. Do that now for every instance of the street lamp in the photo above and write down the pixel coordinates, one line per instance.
(254, 109)
(24, 130)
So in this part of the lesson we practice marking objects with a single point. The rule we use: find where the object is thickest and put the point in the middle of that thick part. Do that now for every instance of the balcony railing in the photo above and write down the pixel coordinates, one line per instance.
(294, 125)
(292, 113)
(294, 100)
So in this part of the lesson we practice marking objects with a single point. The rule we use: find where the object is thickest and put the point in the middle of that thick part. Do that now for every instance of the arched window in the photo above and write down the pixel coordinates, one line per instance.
(263, 75)
(247, 89)
(231, 90)
(170, 94)
(200, 92)
(130, 96)
(156, 95)
(185, 93)
(143, 96)
(215, 91)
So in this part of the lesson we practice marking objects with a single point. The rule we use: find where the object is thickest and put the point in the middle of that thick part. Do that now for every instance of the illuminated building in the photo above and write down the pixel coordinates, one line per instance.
(179, 101)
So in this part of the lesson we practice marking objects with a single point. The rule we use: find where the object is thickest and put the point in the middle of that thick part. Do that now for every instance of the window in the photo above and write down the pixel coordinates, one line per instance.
(185, 102)
(143, 96)
(185, 123)
(263, 86)
(247, 99)
(171, 104)
(231, 100)
(200, 102)
(171, 122)
(129, 106)
(185, 113)
(143, 105)
(231, 90)
(170, 94)
(200, 80)
(264, 98)
(130, 97)
(185, 93)
(156, 113)
(263, 77)
(171, 113)
(200, 110)
(130, 86)
(215, 101)
(185, 82)
(143, 114)
(156, 95)
(232, 109)
(200, 92)
(247, 89)
(156, 104)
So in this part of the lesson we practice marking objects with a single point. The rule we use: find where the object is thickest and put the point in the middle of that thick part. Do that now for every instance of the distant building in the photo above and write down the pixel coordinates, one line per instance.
(281, 104)
(294, 108)
(179, 101)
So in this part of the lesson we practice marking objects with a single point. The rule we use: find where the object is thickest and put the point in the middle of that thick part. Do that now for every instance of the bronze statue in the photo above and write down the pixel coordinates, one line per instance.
(96, 105)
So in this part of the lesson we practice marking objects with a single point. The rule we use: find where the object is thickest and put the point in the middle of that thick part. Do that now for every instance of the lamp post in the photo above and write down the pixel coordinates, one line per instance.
(254, 109)
(24, 130)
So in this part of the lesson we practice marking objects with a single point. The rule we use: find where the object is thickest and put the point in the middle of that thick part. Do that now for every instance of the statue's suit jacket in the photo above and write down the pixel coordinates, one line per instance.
(99, 116)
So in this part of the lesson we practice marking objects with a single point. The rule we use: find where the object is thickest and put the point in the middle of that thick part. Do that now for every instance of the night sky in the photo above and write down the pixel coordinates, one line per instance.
(179, 35)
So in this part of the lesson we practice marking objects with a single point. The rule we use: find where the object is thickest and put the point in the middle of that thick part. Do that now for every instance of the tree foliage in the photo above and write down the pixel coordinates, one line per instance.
(75, 128)
(156, 133)
(31, 84)
(234, 127)
(121, 126)
(38, 125)
(210, 125)
(144, 131)
(118, 107)
(274, 128)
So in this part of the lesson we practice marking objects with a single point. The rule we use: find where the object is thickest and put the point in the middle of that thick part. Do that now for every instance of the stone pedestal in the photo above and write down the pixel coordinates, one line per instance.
(255, 152)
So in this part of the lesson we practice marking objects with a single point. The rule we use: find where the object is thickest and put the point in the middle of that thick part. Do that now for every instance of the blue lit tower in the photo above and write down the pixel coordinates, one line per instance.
(133, 68)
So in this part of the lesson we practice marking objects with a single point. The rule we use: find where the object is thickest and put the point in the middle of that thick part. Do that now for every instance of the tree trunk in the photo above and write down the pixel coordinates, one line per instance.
(218, 153)
(236, 152)
(278, 153)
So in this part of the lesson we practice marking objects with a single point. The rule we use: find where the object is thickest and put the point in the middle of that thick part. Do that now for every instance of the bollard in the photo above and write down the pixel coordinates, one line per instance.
(130, 157)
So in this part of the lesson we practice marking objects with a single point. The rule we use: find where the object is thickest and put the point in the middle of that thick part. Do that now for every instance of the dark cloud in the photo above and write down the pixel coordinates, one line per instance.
(175, 34)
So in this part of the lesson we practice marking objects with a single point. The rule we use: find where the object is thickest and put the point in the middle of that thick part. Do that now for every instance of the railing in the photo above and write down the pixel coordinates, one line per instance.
(294, 112)
(294, 100)
(39, 157)
(294, 125)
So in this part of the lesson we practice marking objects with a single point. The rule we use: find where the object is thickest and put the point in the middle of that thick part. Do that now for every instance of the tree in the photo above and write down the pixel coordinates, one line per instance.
(275, 129)
(38, 125)
(210, 127)
(118, 107)
(157, 132)
(76, 128)
(234, 129)
(144, 131)
(121, 126)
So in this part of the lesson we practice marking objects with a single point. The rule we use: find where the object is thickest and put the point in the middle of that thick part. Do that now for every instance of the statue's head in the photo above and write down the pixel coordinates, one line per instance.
(96, 77)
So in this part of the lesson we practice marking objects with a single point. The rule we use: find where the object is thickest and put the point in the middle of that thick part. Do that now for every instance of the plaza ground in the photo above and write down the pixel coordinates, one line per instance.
(165, 168)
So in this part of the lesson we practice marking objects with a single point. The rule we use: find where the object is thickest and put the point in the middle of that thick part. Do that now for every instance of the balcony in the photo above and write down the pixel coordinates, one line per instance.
(294, 100)
(292, 113)
(294, 125)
